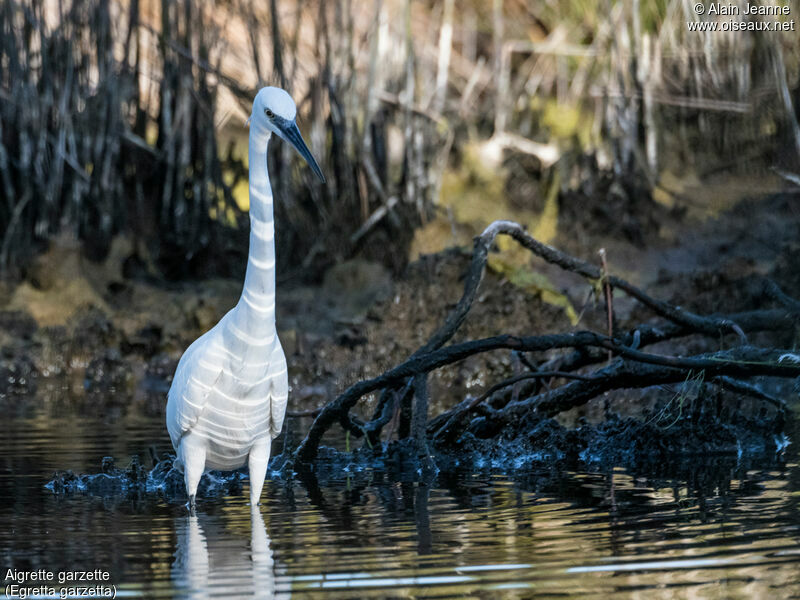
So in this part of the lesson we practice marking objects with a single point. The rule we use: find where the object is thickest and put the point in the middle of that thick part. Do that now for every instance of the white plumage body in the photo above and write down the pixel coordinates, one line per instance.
(230, 401)
(228, 397)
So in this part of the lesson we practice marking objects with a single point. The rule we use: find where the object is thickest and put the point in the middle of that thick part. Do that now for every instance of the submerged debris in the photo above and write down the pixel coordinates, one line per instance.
(538, 444)
(135, 480)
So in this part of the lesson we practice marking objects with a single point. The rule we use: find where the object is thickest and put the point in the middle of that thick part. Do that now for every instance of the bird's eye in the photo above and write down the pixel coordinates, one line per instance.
(269, 113)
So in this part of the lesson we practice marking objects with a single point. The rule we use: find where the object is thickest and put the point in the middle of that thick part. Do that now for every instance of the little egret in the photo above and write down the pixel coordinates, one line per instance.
(228, 397)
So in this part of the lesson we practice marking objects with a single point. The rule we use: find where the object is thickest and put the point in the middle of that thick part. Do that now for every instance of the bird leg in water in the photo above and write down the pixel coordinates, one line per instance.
(192, 505)
(257, 464)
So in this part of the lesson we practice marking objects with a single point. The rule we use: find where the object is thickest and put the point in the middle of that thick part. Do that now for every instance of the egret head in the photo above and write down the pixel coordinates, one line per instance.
(274, 111)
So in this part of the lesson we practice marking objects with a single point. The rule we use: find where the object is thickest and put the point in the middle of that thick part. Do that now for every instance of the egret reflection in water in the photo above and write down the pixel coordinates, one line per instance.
(212, 560)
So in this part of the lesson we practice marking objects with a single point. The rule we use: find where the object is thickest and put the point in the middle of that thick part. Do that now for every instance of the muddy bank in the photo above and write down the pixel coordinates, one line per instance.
(123, 347)
(82, 334)
(117, 341)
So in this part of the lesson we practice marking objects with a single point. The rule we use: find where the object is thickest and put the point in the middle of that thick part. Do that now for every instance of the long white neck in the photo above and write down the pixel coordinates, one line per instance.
(255, 312)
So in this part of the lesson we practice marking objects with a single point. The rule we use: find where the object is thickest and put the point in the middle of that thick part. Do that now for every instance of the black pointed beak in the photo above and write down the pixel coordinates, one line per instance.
(291, 133)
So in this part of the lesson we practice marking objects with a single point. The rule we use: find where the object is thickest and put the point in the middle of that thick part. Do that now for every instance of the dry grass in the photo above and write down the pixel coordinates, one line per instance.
(112, 113)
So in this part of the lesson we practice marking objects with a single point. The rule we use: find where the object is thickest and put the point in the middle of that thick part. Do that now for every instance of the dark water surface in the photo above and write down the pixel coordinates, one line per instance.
(725, 529)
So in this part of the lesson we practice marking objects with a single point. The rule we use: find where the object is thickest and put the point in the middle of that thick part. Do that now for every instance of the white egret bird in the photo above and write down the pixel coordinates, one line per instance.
(228, 398)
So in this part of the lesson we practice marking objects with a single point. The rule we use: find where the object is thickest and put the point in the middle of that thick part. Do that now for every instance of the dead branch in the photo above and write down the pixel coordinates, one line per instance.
(634, 368)
(608, 295)
(745, 361)
(444, 421)
(644, 335)
(773, 291)
(741, 387)
(682, 321)
(709, 325)
(425, 363)
(420, 418)
(627, 374)
(634, 373)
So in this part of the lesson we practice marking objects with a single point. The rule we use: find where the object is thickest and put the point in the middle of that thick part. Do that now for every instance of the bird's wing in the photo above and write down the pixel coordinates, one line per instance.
(279, 392)
(194, 379)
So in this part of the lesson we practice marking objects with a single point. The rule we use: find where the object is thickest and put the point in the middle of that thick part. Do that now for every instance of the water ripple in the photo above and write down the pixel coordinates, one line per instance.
(721, 531)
